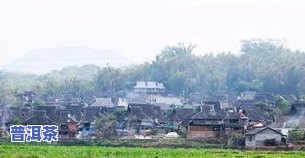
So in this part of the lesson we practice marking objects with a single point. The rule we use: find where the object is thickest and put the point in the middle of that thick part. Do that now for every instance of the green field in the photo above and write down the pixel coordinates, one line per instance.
(28, 151)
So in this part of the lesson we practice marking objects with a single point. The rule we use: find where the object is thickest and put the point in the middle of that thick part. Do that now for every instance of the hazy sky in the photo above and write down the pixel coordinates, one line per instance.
(139, 29)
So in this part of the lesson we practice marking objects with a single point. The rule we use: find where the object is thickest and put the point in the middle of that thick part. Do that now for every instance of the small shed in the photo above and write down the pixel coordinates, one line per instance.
(266, 136)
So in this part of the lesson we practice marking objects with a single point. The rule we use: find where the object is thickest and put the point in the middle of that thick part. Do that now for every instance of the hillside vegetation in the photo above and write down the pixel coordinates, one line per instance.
(261, 65)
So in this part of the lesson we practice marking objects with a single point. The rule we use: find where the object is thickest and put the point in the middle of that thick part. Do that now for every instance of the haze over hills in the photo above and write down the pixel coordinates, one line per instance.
(46, 60)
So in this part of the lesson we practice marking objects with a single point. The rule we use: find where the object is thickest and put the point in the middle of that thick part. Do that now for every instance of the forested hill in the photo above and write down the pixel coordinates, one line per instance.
(261, 65)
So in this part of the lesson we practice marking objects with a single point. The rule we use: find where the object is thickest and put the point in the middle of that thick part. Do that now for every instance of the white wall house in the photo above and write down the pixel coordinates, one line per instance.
(261, 136)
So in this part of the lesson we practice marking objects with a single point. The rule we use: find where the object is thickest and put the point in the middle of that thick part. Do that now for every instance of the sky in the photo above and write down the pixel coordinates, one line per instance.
(139, 29)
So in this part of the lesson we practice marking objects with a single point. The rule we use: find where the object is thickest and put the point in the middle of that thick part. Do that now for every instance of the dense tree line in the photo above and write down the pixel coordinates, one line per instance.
(261, 65)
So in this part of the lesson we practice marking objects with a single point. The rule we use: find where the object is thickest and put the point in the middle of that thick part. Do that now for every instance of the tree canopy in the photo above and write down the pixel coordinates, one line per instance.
(261, 65)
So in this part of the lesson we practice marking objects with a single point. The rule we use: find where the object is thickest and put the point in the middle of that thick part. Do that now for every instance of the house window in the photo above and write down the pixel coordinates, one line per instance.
(250, 138)
(233, 121)
(216, 128)
(270, 142)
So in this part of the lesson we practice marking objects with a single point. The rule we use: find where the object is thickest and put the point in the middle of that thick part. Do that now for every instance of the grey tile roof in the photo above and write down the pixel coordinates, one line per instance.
(144, 111)
(258, 130)
(50, 110)
(180, 114)
(64, 118)
(149, 85)
(103, 102)
(208, 112)
(39, 117)
(256, 114)
(75, 109)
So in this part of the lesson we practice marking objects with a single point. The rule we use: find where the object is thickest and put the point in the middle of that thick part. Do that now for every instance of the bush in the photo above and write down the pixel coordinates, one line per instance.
(296, 135)
(236, 140)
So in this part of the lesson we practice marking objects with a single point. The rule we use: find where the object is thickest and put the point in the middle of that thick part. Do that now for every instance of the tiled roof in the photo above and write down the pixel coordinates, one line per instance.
(245, 103)
(39, 117)
(103, 102)
(255, 113)
(144, 111)
(204, 114)
(21, 112)
(76, 110)
(216, 104)
(180, 114)
(50, 110)
(149, 85)
(165, 100)
(93, 112)
(65, 117)
(258, 130)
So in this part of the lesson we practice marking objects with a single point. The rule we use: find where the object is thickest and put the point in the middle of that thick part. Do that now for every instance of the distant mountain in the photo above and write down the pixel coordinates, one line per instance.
(46, 60)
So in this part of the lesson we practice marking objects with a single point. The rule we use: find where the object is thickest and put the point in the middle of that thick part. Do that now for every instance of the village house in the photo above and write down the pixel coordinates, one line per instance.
(195, 97)
(266, 136)
(251, 98)
(215, 105)
(51, 110)
(165, 102)
(75, 109)
(176, 116)
(122, 103)
(294, 119)
(206, 124)
(90, 114)
(257, 116)
(142, 118)
(291, 98)
(149, 87)
(263, 96)
(218, 96)
(87, 97)
(39, 117)
(16, 113)
(27, 96)
(65, 97)
(68, 125)
(212, 122)
(49, 114)
(246, 102)
(105, 102)
(4, 120)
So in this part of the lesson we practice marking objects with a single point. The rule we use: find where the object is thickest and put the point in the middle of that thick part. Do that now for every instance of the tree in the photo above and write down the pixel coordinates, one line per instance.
(120, 114)
(263, 65)
(176, 52)
(296, 135)
(283, 105)
(16, 121)
(105, 127)
(109, 79)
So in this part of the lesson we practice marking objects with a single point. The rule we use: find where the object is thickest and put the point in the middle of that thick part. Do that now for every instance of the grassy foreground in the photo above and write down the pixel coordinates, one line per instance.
(28, 151)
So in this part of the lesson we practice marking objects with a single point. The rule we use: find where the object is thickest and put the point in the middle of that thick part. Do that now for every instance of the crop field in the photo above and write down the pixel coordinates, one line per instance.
(30, 151)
